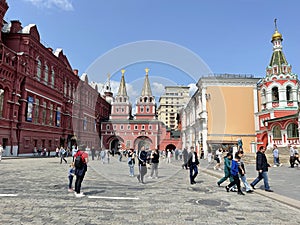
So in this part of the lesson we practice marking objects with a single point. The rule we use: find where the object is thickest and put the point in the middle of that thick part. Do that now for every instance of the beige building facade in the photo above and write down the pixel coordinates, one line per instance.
(170, 103)
(220, 112)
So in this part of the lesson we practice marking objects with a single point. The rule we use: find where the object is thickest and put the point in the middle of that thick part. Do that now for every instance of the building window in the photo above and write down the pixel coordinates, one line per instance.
(46, 73)
(52, 78)
(39, 69)
(143, 127)
(36, 110)
(1, 102)
(142, 109)
(51, 115)
(288, 93)
(277, 132)
(65, 89)
(150, 127)
(128, 127)
(292, 131)
(147, 109)
(85, 123)
(275, 95)
(44, 113)
(121, 127)
(135, 127)
(107, 127)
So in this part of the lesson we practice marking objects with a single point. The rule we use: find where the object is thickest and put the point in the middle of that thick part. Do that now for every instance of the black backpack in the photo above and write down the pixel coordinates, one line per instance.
(78, 163)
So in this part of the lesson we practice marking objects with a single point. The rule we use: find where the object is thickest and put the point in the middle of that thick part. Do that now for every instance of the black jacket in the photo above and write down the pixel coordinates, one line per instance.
(190, 159)
(155, 157)
(261, 162)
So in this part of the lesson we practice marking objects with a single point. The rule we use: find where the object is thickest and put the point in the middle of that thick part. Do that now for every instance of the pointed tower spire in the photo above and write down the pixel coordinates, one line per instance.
(108, 95)
(145, 105)
(107, 87)
(278, 63)
(146, 91)
(122, 88)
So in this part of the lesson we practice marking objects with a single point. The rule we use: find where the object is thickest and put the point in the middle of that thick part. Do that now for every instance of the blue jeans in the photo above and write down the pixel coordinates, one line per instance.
(193, 172)
(263, 175)
(131, 170)
(244, 180)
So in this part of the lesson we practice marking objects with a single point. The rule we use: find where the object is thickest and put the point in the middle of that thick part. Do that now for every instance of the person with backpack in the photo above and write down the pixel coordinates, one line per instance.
(80, 163)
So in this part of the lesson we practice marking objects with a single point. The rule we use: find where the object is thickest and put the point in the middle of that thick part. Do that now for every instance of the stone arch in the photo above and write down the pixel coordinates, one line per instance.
(142, 141)
(170, 146)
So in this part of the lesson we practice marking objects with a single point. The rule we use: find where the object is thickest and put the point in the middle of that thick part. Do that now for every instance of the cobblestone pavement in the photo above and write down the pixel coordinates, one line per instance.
(34, 191)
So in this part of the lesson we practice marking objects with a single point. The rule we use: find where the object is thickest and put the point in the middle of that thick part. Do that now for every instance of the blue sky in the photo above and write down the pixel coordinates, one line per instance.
(229, 36)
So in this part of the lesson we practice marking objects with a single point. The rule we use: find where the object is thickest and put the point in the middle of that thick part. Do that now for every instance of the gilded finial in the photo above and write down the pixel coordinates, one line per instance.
(275, 22)
(147, 70)
(123, 71)
(276, 34)
(108, 76)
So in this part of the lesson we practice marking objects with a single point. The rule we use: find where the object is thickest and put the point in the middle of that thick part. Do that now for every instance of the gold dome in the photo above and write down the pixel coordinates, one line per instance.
(276, 35)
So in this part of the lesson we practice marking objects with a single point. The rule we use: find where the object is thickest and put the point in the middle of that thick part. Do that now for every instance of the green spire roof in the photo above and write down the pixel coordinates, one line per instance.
(278, 58)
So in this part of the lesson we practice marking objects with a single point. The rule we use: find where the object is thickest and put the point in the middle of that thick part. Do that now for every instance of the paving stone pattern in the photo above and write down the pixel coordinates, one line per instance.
(113, 197)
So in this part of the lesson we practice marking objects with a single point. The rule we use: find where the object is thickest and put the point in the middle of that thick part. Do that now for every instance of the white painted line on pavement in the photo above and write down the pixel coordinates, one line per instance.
(115, 198)
(8, 195)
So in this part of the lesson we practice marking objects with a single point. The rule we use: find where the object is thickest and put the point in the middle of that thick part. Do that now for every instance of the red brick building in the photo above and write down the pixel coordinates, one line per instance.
(39, 92)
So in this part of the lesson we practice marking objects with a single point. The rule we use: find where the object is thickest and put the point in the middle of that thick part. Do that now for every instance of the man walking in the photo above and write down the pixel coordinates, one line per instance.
(262, 168)
(193, 163)
(142, 157)
(292, 155)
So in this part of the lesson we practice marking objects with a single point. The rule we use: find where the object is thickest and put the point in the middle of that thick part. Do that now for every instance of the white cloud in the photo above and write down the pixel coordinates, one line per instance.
(157, 89)
(61, 4)
(193, 89)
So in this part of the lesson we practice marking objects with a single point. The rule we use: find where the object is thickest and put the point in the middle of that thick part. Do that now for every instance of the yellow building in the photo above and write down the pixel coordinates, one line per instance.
(221, 112)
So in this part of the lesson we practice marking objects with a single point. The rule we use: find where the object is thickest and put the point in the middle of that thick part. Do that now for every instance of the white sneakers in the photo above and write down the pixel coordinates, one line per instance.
(79, 195)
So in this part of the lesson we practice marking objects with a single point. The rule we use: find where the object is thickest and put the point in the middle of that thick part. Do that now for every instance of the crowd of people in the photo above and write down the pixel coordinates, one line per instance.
(232, 161)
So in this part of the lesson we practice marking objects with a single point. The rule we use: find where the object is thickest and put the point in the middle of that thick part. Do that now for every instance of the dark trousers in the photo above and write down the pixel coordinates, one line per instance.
(143, 171)
(63, 158)
(193, 172)
(292, 161)
(70, 181)
(78, 182)
(236, 181)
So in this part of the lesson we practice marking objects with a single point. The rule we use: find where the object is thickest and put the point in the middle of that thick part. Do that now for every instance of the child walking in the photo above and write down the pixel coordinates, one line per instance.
(71, 174)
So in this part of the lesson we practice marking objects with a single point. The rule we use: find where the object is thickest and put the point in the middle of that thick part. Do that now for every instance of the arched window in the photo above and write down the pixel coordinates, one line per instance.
(1, 102)
(289, 93)
(275, 94)
(292, 131)
(277, 132)
(52, 77)
(39, 69)
(36, 110)
(46, 73)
